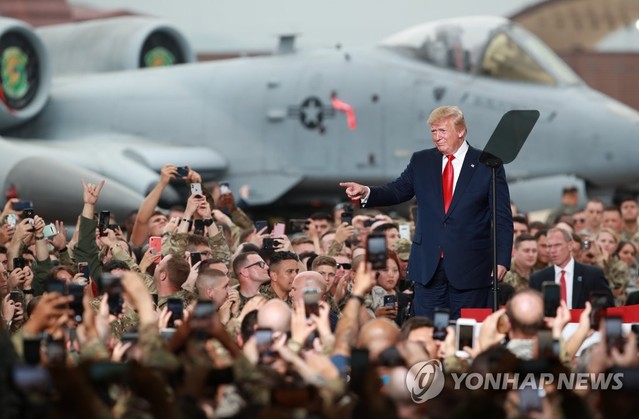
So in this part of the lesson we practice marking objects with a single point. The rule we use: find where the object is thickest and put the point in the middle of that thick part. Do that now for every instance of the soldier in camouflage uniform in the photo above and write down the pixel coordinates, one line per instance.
(251, 271)
(524, 258)
(283, 267)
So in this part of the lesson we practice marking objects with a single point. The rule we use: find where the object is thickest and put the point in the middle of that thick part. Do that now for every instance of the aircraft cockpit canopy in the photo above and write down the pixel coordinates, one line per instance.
(484, 45)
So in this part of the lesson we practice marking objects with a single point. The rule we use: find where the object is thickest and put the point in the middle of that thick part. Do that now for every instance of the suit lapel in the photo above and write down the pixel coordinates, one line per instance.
(435, 174)
(577, 284)
(468, 170)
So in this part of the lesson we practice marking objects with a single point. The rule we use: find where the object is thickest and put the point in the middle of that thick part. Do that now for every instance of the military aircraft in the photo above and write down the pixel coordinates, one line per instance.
(77, 103)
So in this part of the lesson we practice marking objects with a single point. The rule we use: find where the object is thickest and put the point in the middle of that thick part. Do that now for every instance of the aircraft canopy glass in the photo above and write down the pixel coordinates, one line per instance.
(486, 45)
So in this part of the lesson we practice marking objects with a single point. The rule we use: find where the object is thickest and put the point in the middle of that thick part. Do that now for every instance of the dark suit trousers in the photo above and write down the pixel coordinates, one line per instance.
(438, 293)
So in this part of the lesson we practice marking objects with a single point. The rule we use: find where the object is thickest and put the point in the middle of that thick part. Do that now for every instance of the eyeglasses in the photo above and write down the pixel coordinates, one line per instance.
(346, 266)
(261, 264)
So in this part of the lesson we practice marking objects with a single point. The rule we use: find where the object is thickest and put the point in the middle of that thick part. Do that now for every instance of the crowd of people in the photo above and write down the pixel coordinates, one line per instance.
(195, 312)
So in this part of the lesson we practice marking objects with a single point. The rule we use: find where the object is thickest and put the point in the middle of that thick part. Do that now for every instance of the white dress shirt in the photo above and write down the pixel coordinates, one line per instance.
(458, 162)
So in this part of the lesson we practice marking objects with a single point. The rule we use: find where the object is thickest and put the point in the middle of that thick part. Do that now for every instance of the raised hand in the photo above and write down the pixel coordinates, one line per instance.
(91, 192)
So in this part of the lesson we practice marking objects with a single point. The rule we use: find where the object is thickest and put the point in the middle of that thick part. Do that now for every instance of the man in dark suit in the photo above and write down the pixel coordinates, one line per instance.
(451, 256)
(579, 280)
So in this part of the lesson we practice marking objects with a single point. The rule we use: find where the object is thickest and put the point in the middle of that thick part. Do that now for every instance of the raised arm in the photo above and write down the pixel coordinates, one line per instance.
(140, 227)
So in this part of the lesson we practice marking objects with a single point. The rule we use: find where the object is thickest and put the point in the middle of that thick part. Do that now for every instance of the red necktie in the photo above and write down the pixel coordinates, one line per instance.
(447, 182)
(562, 284)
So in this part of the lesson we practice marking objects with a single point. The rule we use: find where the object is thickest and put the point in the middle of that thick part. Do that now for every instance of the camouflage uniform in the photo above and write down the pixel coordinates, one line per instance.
(402, 248)
(187, 296)
(617, 273)
(176, 243)
(267, 290)
(518, 281)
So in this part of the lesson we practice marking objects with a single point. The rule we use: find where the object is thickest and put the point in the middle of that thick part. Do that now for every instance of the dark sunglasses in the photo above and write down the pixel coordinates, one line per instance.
(346, 266)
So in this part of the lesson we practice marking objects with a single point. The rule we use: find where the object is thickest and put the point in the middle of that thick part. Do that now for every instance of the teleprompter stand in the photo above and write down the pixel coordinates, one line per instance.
(502, 148)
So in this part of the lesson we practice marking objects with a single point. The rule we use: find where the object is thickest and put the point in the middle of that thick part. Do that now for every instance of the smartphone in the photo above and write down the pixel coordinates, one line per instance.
(176, 307)
(529, 400)
(196, 189)
(31, 350)
(311, 302)
(104, 220)
(264, 340)
(106, 280)
(167, 333)
(22, 205)
(390, 300)
(195, 258)
(56, 286)
(546, 344)
(183, 171)
(201, 319)
(155, 243)
(279, 230)
(440, 323)
(347, 217)
(31, 379)
(109, 372)
(83, 268)
(376, 251)
(260, 224)
(56, 351)
(359, 371)
(49, 231)
(12, 220)
(114, 291)
(614, 337)
(15, 296)
(129, 337)
(404, 231)
(268, 243)
(551, 292)
(77, 291)
(28, 213)
(224, 188)
(465, 333)
(599, 302)
(18, 262)
(198, 227)
(297, 225)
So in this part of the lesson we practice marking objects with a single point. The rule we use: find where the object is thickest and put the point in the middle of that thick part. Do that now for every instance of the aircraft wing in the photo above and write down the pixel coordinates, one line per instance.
(49, 172)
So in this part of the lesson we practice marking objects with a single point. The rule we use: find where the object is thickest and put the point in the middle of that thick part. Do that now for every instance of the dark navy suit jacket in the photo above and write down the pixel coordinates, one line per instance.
(463, 234)
(585, 280)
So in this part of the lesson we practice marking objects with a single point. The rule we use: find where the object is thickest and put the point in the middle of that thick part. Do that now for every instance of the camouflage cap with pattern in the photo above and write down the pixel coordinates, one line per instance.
(402, 248)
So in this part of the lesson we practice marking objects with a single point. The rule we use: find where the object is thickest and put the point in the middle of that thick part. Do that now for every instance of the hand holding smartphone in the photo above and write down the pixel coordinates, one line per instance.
(440, 323)
(176, 308)
(155, 244)
(465, 333)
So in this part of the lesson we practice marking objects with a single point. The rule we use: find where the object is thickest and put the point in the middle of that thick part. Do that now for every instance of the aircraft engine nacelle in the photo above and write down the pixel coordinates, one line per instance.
(114, 44)
(25, 77)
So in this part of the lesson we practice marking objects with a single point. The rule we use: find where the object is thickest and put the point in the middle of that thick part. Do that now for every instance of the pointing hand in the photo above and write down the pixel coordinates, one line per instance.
(354, 190)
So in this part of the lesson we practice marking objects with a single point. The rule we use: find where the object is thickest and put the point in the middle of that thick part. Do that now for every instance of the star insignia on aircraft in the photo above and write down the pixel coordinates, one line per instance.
(311, 113)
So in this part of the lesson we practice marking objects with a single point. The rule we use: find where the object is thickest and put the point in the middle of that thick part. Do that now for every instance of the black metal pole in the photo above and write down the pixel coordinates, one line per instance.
(493, 228)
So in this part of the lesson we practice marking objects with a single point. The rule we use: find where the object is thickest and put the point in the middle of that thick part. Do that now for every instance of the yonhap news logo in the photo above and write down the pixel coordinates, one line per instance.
(425, 380)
